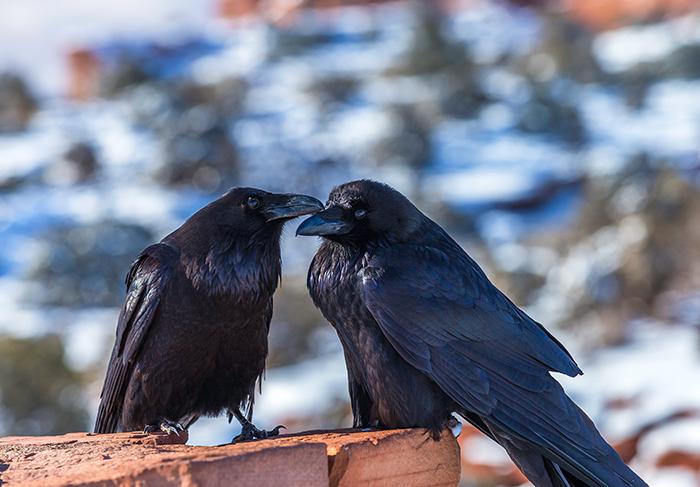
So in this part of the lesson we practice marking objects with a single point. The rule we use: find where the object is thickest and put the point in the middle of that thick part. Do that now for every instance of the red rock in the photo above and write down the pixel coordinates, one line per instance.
(405, 458)
(378, 458)
(677, 458)
(627, 447)
(606, 14)
(83, 74)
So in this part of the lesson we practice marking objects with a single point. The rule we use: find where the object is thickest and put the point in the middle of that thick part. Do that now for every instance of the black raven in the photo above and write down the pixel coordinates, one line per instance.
(425, 334)
(192, 334)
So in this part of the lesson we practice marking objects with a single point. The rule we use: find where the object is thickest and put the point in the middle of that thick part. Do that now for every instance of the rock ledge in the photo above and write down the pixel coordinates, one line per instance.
(404, 458)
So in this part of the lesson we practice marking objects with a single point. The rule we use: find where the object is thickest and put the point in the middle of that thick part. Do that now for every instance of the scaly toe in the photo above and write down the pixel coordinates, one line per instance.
(171, 430)
(171, 427)
(242, 437)
(247, 434)
(276, 430)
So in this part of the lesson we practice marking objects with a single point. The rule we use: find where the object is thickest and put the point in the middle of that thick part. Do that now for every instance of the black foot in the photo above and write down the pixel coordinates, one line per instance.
(249, 432)
(166, 426)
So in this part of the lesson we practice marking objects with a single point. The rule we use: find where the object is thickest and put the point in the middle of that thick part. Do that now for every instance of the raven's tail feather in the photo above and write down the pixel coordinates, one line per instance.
(548, 467)
(559, 477)
(545, 472)
(541, 471)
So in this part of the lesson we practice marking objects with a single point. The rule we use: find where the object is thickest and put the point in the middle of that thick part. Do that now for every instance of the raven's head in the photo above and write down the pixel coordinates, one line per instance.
(364, 210)
(233, 244)
(243, 213)
(255, 208)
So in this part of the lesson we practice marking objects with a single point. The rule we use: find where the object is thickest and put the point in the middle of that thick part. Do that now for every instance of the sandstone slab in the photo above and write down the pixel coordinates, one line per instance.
(405, 458)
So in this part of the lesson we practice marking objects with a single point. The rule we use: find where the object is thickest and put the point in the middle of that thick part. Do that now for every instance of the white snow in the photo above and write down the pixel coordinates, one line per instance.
(492, 29)
(484, 185)
(482, 450)
(670, 477)
(305, 389)
(681, 435)
(37, 34)
(302, 390)
(656, 370)
(598, 255)
(623, 48)
(667, 126)
(88, 335)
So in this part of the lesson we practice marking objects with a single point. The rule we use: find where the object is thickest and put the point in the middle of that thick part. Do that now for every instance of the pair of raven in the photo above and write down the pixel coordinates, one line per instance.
(424, 332)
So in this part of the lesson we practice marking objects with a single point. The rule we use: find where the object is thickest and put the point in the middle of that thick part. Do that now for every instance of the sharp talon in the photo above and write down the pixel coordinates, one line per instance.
(166, 426)
(276, 430)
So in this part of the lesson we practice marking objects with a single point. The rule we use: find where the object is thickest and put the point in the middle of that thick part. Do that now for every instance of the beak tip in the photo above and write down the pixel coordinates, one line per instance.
(296, 205)
(303, 228)
(324, 224)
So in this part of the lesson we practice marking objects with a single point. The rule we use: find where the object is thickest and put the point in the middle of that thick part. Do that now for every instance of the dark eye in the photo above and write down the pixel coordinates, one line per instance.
(360, 214)
(253, 202)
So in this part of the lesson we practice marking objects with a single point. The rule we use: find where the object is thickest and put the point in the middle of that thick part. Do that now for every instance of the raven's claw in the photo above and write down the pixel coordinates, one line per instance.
(166, 426)
(249, 432)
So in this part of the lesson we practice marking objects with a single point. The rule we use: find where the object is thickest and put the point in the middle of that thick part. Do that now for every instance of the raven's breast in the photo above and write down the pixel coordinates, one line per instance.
(238, 351)
(401, 395)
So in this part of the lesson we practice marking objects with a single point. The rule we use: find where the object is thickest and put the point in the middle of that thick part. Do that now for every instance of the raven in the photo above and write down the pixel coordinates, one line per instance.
(192, 333)
(425, 333)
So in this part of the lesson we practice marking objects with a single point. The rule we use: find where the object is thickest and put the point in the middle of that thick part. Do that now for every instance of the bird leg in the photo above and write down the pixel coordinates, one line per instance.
(435, 432)
(166, 426)
(250, 432)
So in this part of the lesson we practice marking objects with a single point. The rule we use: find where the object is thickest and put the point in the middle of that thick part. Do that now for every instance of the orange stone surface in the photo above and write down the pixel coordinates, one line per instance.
(405, 458)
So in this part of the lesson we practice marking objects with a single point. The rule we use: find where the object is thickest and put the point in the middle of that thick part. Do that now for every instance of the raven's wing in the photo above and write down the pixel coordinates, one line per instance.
(442, 314)
(146, 283)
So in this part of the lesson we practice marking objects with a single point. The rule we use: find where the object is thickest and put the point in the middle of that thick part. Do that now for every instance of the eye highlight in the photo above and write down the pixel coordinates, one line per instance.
(360, 214)
(253, 202)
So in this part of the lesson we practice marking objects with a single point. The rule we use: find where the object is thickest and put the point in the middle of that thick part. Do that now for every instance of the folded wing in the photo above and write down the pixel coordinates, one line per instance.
(444, 317)
(146, 282)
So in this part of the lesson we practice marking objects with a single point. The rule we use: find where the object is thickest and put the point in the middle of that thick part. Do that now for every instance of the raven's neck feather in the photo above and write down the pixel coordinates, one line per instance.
(236, 268)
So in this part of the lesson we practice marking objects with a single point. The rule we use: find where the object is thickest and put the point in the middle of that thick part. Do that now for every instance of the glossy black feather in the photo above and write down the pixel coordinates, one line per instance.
(426, 333)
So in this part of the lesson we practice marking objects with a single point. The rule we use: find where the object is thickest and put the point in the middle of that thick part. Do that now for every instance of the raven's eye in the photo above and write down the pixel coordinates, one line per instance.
(360, 214)
(253, 202)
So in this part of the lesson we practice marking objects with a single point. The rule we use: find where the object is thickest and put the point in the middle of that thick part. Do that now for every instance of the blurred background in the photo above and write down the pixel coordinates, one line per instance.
(558, 142)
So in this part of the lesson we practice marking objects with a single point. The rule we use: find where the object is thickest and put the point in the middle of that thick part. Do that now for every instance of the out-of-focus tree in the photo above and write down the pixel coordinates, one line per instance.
(39, 393)
(84, 266)
(17, 103)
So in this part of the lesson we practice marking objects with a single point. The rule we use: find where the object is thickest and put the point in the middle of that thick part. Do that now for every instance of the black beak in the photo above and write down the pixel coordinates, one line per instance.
(292, 205)
(327, 222)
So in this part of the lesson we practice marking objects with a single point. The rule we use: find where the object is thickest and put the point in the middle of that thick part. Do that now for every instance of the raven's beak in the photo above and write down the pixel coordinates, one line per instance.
(327, 222)
(292, 205)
